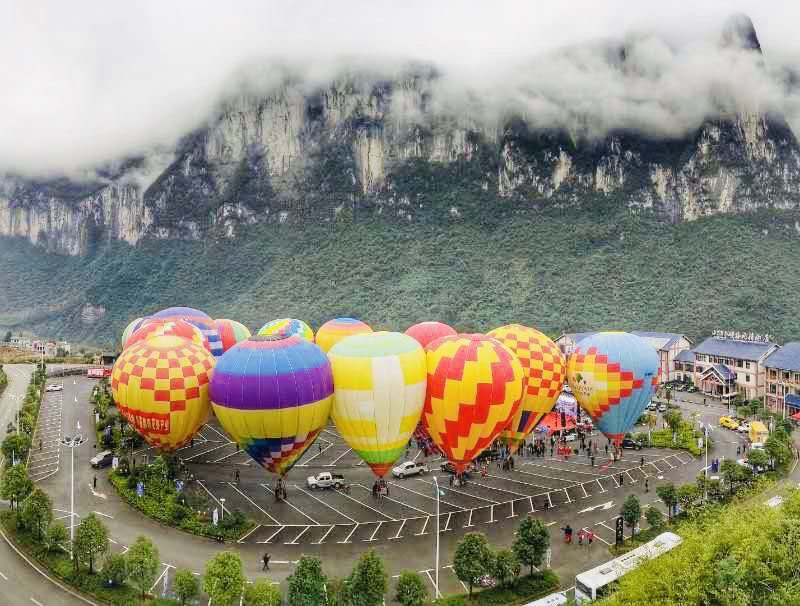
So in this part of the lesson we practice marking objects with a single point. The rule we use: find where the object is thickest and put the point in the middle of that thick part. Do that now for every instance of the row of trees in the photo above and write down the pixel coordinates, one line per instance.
(18, 441)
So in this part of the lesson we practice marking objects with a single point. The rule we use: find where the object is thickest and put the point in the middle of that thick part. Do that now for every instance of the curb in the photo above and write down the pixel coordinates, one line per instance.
(44, 574)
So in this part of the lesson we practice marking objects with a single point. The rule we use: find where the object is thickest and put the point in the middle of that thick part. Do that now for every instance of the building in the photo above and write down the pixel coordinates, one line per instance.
(684, 366)
(725, 367)
(668, 346)
(569, 340)
(783, 380)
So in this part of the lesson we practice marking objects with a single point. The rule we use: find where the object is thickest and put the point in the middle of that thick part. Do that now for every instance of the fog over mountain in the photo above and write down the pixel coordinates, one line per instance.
(94, 82)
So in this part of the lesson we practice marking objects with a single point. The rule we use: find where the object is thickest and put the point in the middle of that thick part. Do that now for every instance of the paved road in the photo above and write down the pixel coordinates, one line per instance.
(19, 583)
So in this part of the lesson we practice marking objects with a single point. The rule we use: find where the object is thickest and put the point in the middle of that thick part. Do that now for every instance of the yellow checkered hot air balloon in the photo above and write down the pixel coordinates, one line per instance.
(379, 390)
(475, 385)
(160, 386)
(545, 370)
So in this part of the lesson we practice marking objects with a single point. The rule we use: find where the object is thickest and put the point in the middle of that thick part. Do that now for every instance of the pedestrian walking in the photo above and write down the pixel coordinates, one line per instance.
(589, 536)
(236, 476)
(567, 533)
(451, 481)
(95, 482)
(592, 460)
(621, 479)
(641, 462)
(646, 485)
(511, 463)
(266, 562)
(319, 447)
(581, 534)
(606, 448)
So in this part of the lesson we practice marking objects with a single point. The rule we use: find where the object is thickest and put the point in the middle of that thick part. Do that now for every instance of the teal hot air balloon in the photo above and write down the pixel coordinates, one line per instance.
(613, 376)
(273, 395)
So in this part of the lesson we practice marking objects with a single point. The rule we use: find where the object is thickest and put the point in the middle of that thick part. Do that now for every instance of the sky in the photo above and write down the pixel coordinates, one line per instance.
(84, 83)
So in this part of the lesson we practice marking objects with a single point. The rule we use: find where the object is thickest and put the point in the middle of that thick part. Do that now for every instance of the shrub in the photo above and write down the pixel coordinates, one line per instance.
(115, 569)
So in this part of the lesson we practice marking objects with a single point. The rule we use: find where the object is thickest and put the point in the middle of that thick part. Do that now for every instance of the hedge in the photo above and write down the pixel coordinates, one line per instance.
(167, 510)
(521, 591)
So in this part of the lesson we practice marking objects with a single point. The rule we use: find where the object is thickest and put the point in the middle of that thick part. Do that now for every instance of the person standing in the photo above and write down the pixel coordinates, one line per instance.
(621, 479)
(646, 485)
(266, 562)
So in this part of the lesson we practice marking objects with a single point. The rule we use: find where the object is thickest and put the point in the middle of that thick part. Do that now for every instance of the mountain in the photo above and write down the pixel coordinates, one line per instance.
(373, 172)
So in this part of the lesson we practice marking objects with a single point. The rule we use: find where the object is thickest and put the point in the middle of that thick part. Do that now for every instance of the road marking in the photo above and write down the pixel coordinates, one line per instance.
(252, 502)
(294, 540)
(336, 460)
(308, 494)
(347, 538)
(203, 486)
(588, 473)
(519, 482)
(399, 530)
(227, 456)
(205, 452)
(427, 513)
(161, 576)
(325, 536)
(273, 535)
(306, 462)
(37, 602)
(453, 490)
(300, 511)
(105, 515)
(249, 532)
(474, 483)
(374, 532)
(5, 578)
(601, 506)
(541, 475)
(432, 498)
(378, 511)
(216, 431)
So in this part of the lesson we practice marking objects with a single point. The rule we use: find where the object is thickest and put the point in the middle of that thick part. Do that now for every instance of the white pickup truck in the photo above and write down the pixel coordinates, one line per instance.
(325, 479)
(409, 468)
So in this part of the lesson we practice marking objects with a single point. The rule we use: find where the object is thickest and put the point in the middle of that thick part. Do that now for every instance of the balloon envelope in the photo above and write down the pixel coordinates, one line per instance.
(160, 386)
(427, 332)
(130, 329)
(160, 328)
(475, 385)
(333, 331)
(613, 376)
(198, 318)
(231, 332)
(180, 312)
(272, 395)
(288, 327)
(544, 369)
(379, 381)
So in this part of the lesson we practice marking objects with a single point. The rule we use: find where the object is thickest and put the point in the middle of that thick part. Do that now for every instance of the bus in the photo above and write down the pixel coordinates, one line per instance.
(98, 373)
(598, 582)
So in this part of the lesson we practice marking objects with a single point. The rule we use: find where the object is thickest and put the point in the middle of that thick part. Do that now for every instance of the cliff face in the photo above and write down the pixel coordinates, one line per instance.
(357, 145)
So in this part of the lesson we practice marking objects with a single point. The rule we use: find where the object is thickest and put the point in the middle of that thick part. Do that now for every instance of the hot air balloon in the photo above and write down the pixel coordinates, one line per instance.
(287, 326)
(231, 332)
(475, 384)
(427, 332)
(198, 318)
(160, 386)
(544, 368)
(131, 328)
(613, 376)
(379, 381)
(160, 328)
(333, 331)
(273, 395)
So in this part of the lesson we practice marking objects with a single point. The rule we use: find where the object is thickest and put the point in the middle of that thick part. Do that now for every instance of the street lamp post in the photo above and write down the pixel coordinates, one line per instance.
(222, 508)
(438, 494)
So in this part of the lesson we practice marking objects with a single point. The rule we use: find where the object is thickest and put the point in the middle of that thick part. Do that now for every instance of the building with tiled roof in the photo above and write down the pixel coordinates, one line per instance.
(727, 367)
(568, 341)
(783, 380)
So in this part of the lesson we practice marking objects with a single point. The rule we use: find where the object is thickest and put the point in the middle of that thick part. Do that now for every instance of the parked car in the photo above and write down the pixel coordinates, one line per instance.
(757, 446)
(651, 406)
(571, 437)
(325, 479)
(728, 423)
(409, 468)
(743, 427)
(102, 459)
(630, 443)
(54, 387)
(487, 455)
(662, 408)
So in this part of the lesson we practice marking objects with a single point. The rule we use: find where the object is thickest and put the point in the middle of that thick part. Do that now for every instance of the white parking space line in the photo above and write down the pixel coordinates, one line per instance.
(455, 491)
(388, 498)
(252, 502)
(36, 602)
(518, 494)
(5, 578)
(297, 509)
(588, 473)
(541, 475)
(227, 456)
(205, 452)
(336, 460)
(331, 507)
(321, 540)
(311, 458)
(378, 511)
(220, 434)
(432, 498)
(520, 482)
(249, 532)
(203, 486)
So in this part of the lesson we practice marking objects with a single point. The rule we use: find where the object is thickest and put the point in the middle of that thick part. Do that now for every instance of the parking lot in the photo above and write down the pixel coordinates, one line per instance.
(352, 515)
(44, 460)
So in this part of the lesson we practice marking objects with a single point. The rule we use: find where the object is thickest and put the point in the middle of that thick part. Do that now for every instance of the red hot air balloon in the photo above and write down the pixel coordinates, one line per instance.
(427, 332)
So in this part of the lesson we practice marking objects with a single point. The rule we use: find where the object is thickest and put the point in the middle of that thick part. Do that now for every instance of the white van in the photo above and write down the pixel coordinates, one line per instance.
(554, 599)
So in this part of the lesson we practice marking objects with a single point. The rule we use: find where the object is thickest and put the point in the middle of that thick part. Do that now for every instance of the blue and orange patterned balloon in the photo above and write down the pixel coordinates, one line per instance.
(613, 376)
(273, 395)
(288, 327)
(198, 318)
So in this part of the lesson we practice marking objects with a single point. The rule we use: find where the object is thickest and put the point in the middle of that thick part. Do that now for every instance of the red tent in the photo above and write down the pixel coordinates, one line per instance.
(552, 421)
(796, 416)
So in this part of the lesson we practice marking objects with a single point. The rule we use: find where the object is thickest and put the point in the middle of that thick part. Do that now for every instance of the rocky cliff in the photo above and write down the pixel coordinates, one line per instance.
(359, 145)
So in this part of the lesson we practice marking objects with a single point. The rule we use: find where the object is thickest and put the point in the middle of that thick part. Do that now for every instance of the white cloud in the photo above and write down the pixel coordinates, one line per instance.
(91, 81)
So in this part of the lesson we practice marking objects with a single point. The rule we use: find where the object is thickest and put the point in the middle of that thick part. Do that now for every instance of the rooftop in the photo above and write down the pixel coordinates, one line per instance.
(785, 358)
(576, 336)
(687, 355)
(728, 348)
(660, 340)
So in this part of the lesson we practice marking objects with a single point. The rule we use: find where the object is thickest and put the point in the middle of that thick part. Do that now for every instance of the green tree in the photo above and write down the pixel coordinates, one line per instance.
(262, 593)
(368, 582)
(631, 512)
(224, 578)
(16, 484)
(55, 536)
(531, 543)
(91, 540)
(37, 511)
(669, 496)
(411, 590)
(473, 559)
(688, 495)
(306, 583)
(143, 564)
(16, 446)
(758, 458)
(674, 418)
(115, 569)
(505, 566)
(186, 586)
(6, 339)
(777, 450)
(734, 474)
(654, 517)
